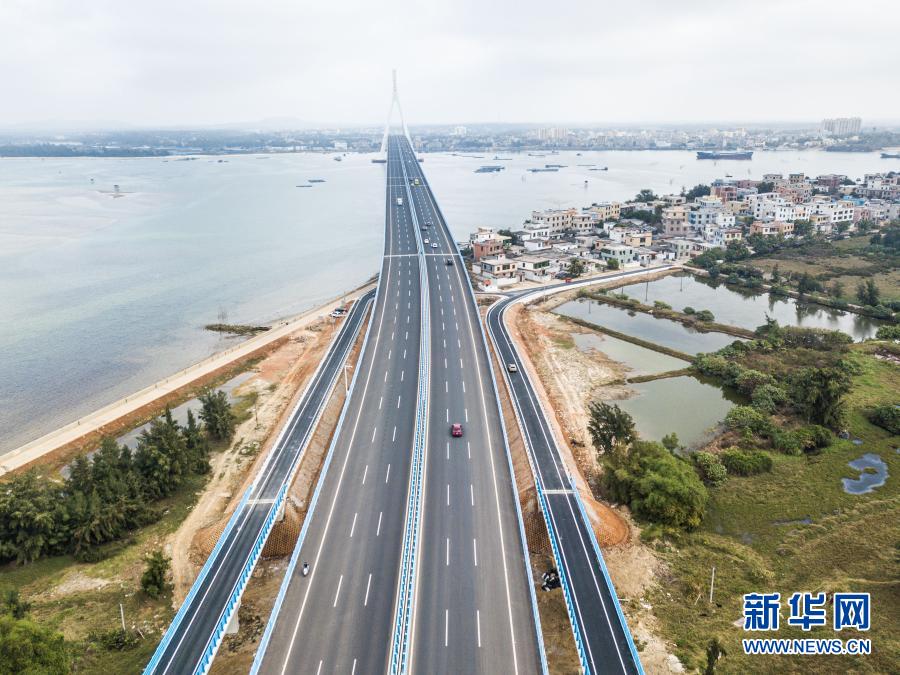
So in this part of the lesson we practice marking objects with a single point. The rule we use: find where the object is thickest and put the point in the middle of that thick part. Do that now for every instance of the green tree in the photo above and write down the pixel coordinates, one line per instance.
(670, 442)
(575, 268)
(819, 394)
(610, 427)
(714, 651)
(14, 605)
(196, 445)
(154, 579)
(612, 263)
(867, 293)
(32, 519)
(697, 191)
(657, 485)
(645, 196)
(26, 647)
(161, 457)
(836, 290)
(762, 187)
(803, 228)
(217, 416)
(776, 274)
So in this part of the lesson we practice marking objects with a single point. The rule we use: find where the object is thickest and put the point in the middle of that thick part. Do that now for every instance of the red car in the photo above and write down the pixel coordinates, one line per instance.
(456, 429)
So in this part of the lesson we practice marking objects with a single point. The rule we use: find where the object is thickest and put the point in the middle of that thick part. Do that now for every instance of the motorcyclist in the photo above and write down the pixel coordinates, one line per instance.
(305, 569)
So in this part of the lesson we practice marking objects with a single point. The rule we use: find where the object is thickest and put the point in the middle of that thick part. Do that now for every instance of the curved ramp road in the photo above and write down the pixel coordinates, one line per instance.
(605, 644)
(190, 641)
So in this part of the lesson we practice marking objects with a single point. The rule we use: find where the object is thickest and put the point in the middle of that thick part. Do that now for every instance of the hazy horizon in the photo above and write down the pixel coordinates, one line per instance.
(237, 64)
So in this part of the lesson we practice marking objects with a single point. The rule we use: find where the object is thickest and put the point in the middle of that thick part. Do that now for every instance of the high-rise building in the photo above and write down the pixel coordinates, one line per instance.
(842, 126)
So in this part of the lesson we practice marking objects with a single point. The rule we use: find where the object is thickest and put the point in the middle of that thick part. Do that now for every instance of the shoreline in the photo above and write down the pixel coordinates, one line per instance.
(151, 396)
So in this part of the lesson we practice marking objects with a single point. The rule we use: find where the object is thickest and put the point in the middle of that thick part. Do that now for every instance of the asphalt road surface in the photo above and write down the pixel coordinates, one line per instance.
(186, 641)
(339, 619)
(607, 643)
(473, 601)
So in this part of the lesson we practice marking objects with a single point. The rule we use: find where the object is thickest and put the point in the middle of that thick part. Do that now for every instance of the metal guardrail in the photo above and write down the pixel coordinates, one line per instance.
(400, 641)
(295, 556)
(238, 514)
(576, 627)
(522, 538)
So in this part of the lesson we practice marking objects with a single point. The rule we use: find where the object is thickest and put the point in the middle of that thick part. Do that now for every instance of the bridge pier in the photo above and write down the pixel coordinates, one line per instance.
(234, 625)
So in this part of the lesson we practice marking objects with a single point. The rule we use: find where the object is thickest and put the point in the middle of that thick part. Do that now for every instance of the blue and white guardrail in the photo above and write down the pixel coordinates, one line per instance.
(400, 642)
(239, 514)
(521, 522)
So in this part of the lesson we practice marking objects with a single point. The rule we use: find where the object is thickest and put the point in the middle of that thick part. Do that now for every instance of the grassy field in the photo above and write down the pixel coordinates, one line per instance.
(845, 262)
(794, 529)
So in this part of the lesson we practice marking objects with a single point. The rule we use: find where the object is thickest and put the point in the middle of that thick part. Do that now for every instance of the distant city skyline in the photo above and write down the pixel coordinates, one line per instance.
(206, 64)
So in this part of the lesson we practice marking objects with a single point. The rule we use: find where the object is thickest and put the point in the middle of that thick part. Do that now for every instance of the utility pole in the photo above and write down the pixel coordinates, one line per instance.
(712, 583)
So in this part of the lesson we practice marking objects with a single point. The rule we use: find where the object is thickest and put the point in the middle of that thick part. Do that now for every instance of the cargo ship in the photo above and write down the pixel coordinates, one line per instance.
(890, 155)
(489, 169)
(725, 154)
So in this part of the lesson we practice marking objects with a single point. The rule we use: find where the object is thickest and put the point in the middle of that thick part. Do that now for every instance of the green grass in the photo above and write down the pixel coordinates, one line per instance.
(754, 537)
(78, 614)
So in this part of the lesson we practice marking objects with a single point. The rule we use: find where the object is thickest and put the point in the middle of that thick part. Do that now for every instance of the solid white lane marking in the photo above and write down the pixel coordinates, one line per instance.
(353, 526)
(338, 591)
(368, 585)
(378, 531)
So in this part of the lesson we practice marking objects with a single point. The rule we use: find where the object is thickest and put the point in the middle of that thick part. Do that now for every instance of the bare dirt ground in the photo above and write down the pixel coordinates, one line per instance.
(567, 380)
(279, 381)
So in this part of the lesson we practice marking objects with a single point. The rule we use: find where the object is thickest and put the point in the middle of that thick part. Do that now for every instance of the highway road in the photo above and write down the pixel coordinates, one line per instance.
(474, 604)
(190, 635)
(339, 619)
(607, 646)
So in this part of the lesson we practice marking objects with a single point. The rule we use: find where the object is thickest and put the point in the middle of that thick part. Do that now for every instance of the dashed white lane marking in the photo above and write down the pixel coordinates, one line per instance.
(394, 437)
(378, 530)
(388, 474)
(368, 585)
(365, 473)
(448, 494)
(478, 626)
(373, 434)
(338, 591)
(446, 625)
(448, 552)
(353, 526)
(380, 401)
(472, 494)
(475, 550)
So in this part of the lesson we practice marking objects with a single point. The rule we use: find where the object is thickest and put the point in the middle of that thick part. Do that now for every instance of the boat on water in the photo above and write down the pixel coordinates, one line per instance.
(599, 168)
(543, 170)
(338, 159)
(890, 155)
(724, 154)
(303, 186)
(316, 180)
(489, 169)
(502, 159)
(554, 166)
(379, 161)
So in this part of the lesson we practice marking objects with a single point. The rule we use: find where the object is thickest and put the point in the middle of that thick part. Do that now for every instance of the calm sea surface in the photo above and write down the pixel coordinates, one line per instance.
(100, 296)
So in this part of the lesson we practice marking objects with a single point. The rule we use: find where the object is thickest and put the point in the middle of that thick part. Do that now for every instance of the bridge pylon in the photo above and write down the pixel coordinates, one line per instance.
(395, 102)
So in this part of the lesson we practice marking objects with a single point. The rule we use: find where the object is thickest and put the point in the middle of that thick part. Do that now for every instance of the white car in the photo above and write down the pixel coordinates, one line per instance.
(434, 245)
(425, 240)
(512, 367)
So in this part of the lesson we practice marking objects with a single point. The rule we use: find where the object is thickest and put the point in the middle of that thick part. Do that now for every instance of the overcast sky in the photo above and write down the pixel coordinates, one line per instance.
(196, 62)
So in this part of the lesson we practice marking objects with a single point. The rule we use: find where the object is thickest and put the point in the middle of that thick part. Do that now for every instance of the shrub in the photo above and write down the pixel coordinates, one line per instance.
(705, 315)
(744, 463)
(659, 304)
(748, 380)
(767, 397)
(742, 417)
(689, 310)
(710, 468)
(153, 580)
(888, 333)
(887, 417)
(787, 442)
(658, 486)
(116, 639)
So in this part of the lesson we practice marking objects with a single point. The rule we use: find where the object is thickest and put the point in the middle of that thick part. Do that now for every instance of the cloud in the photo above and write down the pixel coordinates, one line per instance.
(172, 62)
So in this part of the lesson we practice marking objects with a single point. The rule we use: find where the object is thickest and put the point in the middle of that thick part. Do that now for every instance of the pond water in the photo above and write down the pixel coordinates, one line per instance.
(745, 309)
(873, 473)
(665, 332)
(658, 408)
(639, 360)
